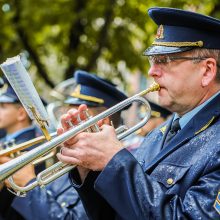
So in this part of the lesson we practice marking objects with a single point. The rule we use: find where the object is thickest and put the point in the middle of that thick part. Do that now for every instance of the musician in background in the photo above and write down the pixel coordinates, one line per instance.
(158, 116)
(59, 200)
(18, 127)
(2, 133)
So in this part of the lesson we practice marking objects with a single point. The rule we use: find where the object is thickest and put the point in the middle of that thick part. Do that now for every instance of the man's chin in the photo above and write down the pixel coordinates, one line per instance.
(165, 104)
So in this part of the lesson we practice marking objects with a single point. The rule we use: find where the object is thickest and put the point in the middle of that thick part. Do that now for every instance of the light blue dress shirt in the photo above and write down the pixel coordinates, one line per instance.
(189, 115)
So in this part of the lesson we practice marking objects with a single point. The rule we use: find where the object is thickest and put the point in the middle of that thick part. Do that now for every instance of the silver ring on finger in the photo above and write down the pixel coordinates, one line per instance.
(61, 149)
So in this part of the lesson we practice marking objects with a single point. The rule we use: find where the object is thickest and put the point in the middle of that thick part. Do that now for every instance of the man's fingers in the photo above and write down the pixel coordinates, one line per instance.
(60, 131)
(67, 159)
(73, 117)
(65, 121)
(69, 152)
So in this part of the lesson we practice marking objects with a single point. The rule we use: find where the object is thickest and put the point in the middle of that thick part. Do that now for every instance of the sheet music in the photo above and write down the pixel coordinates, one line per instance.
(21, 82)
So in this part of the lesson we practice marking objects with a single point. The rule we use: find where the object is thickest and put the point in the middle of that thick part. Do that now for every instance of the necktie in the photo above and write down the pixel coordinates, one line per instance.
(175, 127)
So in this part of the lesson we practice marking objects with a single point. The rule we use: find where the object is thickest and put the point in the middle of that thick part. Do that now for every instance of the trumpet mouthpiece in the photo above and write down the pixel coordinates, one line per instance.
(154, 87)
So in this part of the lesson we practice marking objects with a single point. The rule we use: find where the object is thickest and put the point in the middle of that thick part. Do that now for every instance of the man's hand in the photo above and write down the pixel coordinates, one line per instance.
(4, 159)
(21, 177)
(89, 150)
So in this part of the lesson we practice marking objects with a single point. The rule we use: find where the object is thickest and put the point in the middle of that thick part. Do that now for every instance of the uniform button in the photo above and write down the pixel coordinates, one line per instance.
(63, 204)
(170, 181)
(142, 162)
(49, 192)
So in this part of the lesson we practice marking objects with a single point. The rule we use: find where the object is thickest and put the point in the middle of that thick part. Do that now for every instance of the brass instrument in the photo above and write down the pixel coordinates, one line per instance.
(16, 148)
(60, 168)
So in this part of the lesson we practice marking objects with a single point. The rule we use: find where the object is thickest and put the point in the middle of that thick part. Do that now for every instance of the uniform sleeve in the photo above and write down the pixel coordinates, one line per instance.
(45, 204)
(138, 196)
(125, 191)
(95, 205)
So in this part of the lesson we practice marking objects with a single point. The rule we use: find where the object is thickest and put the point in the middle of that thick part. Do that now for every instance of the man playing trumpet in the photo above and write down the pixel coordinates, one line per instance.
(176, 171)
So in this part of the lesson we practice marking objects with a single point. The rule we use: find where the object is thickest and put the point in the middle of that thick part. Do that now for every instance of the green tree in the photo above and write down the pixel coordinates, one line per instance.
(102, 36)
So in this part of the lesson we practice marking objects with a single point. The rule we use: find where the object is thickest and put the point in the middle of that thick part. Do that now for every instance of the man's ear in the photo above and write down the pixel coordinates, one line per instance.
(22, 114)
(210, 71)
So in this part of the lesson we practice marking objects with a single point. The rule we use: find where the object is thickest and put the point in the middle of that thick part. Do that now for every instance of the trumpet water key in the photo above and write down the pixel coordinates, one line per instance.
(14, 165)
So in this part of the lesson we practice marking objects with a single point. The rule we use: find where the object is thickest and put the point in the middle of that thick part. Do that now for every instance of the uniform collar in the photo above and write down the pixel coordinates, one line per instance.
(189, 115)
(198, 123)
(14, 135)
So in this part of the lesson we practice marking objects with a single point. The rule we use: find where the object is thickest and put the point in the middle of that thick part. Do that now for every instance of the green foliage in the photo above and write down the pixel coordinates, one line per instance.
(107, 37)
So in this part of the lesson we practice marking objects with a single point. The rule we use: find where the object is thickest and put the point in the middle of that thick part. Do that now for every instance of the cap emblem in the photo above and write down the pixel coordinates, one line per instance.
(160, 32)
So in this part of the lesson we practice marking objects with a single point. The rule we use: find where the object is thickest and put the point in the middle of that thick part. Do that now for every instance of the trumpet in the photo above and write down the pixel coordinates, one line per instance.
(59, 169)
(16, 148)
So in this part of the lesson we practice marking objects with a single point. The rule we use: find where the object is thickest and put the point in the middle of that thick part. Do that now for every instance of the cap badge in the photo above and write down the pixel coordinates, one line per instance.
(77, 90)
(160, 32)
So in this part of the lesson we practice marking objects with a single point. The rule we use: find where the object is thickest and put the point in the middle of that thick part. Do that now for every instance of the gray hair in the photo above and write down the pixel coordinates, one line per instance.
(213, 53)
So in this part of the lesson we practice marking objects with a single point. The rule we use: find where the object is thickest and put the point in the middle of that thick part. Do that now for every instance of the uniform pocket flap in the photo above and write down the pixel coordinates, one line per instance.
(169, 174)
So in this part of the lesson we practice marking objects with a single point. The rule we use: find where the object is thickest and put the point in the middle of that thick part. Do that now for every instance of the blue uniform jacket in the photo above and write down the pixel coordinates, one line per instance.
(23, 136)
(177, 181)
(26, 135)
(58, 200)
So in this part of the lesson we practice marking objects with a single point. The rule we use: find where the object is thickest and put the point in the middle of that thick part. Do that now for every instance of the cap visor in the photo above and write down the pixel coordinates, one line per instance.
(7, 99)
(158, 50)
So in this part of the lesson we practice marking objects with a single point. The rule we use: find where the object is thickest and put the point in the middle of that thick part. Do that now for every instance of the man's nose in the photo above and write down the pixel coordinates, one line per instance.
(155, 71)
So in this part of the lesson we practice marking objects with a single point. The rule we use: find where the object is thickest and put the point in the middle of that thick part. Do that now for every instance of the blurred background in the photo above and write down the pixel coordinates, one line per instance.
(108, 37)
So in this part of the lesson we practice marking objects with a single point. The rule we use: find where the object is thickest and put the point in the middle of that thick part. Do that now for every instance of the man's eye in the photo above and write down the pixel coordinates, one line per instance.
(159, 60)
(162, 60)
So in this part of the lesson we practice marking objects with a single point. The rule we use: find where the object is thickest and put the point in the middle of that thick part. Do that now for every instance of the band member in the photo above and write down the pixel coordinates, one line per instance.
(18, 129)
(176, 171)
(59, 200)
(158, 116)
